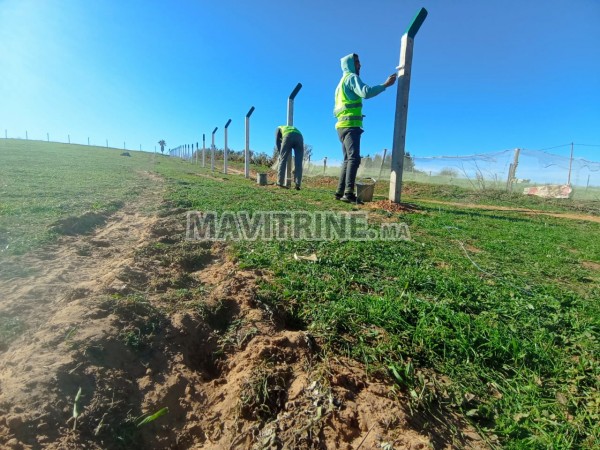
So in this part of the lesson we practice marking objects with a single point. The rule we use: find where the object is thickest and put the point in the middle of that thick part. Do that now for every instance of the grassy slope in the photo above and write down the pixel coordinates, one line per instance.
(491, 313)
(42, 182)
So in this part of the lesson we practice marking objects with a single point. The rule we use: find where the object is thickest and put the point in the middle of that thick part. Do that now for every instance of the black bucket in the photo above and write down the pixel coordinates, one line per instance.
(261, 179)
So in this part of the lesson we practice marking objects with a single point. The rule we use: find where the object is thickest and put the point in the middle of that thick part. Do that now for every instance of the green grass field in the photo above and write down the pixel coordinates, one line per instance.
(42, 182)
(494, 314)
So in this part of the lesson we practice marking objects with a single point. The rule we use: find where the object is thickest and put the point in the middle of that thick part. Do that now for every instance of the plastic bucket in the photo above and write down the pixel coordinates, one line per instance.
(261, 179)
(365, 189)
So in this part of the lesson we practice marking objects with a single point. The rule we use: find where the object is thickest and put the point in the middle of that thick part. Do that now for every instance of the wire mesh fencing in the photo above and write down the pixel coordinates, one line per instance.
(515, 170)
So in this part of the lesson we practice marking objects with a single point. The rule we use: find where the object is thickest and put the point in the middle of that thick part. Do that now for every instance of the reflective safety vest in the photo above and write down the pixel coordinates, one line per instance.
(286, 129)
(348, 112)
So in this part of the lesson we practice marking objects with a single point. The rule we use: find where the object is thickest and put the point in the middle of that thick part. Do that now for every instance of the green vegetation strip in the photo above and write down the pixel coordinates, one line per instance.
(492, 313)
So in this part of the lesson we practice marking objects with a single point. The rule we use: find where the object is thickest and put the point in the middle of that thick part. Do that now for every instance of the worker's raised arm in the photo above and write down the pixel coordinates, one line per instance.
(365, 91)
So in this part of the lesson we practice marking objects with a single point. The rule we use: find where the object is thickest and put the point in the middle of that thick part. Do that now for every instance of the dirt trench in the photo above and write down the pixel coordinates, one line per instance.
(132, 321)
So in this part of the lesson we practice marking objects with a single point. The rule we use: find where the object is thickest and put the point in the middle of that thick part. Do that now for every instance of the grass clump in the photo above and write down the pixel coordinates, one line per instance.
(142, 322)
(263, 395)
(10, 329)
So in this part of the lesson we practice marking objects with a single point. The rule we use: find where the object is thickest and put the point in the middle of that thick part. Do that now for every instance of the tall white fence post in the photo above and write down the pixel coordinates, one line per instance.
(212, 152)
(399, 141)
(225, 150)
(290, 122)
(203, 150)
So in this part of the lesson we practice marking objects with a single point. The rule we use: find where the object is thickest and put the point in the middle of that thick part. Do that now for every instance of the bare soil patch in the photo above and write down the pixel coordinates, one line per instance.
(390, 206)
(210, 177)
(230, 170)
(321, 181)
(137, 320)
(591, 265)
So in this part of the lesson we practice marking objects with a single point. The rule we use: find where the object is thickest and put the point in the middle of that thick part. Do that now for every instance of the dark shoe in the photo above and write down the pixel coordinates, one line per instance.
(351, 198)
(282, 186)
(338, 196)
(297, 187)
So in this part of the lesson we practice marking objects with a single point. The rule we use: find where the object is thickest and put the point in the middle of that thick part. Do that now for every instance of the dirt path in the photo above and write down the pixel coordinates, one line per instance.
(137, 320)
(235, 171)
(570, 216)
(46, 280)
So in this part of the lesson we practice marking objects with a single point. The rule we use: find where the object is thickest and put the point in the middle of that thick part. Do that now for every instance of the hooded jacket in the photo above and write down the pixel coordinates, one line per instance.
(353, 87)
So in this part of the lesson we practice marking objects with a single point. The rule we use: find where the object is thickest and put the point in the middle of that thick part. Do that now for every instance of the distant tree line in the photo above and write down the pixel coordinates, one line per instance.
(369, 162)
(260, 158)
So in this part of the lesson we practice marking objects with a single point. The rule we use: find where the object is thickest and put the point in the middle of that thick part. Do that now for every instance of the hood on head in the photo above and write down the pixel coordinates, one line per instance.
(347, 63)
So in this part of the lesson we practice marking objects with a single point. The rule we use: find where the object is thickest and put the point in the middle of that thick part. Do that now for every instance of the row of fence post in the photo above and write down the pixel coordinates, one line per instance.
(290, 122)
(226, 148)
(68, 139)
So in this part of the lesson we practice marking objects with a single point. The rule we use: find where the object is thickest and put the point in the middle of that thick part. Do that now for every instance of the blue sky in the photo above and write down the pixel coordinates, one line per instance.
(487, 75)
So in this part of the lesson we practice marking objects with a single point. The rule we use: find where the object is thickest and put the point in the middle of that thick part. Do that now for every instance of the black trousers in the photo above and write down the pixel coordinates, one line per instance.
(350, 139)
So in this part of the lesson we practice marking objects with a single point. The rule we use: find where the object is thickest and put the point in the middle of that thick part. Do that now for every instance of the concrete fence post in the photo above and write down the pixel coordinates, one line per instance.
(203, 150)
(399, 140)
(212, 148)
(290, 122)
(225, 149)
(247, 148)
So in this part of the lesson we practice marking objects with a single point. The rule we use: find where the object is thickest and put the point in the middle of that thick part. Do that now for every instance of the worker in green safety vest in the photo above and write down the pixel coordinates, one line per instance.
(349, 94)
(288, 138)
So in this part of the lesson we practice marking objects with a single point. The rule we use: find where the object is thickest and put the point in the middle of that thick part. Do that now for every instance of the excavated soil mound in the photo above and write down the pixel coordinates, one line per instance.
(392, 207)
